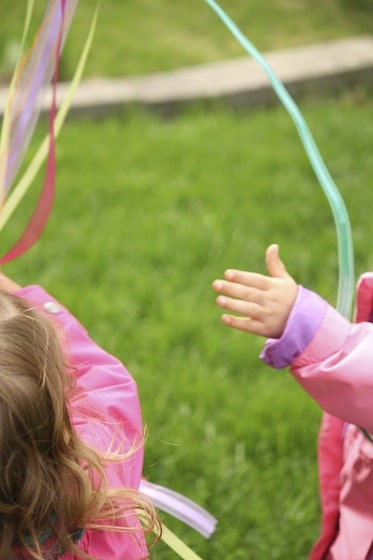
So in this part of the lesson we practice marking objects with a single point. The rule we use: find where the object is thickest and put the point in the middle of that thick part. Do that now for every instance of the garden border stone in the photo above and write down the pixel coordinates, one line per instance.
(313, 70)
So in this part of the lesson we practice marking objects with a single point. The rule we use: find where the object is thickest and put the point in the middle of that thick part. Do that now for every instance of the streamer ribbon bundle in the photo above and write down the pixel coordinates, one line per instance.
(33, 74)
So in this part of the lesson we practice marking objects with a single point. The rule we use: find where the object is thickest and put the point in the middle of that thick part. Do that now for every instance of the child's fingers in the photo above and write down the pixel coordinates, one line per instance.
(245, 324)
(239, 291)
(249, 279)
(248, 309)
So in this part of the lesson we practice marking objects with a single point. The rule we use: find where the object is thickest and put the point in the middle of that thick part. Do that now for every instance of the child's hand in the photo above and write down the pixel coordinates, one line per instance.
(264, 302)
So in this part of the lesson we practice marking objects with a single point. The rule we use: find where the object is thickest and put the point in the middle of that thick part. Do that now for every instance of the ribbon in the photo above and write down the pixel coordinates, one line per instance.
(180, 507)
(44, 205)
(346, 281)
(177, 545)
(24, 183)
(23, 107)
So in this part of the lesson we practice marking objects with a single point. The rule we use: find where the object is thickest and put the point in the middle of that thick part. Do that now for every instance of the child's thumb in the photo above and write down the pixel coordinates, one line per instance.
(275, 266)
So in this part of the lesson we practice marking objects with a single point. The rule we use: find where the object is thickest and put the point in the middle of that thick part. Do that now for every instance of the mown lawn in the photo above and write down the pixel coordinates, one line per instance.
(148, 213)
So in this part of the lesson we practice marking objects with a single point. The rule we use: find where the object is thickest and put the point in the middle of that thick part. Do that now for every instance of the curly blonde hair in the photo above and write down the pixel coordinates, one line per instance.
(46, 470)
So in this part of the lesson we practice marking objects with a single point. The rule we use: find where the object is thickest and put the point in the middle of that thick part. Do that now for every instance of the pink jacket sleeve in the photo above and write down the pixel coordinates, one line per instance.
(335, 365)
(107, 399)
(336, 369)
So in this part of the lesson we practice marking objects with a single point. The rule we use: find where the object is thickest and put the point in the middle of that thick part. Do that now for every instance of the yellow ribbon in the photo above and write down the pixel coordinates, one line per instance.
(177, 545)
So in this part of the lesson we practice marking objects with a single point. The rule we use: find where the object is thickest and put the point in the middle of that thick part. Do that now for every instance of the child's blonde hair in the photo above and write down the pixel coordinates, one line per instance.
(46, 470)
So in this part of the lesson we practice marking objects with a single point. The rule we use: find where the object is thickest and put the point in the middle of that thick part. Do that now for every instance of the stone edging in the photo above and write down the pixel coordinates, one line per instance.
(320, 68)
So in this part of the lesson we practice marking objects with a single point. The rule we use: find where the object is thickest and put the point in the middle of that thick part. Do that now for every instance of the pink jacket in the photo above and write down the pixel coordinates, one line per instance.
(332, 359)
(108, 407)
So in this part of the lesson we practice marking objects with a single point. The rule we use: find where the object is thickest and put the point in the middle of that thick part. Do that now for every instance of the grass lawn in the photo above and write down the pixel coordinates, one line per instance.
(148, 213)
(144, 36)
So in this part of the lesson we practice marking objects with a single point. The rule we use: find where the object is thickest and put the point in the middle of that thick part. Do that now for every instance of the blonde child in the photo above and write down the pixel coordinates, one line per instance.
(332, 359)
(71, 439)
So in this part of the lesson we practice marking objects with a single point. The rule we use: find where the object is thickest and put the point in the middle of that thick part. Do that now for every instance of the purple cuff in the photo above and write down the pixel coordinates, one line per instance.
(304, 321)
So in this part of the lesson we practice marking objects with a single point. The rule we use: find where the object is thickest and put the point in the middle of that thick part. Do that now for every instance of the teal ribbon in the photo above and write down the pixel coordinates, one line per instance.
(346, 281)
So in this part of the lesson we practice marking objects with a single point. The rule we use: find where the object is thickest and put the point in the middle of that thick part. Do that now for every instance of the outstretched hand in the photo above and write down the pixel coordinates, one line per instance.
(263, 303)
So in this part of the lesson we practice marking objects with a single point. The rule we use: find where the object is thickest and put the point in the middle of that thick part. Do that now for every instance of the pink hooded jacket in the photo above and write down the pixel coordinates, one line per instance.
(332, 359)
(107, 410)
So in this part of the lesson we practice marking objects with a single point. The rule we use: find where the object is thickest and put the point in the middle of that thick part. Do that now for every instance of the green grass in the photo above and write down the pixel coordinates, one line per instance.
(148, 213)
(144, 36)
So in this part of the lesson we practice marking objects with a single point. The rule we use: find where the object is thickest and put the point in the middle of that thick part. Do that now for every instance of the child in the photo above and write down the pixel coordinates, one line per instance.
(332, 359)
(71, 439)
